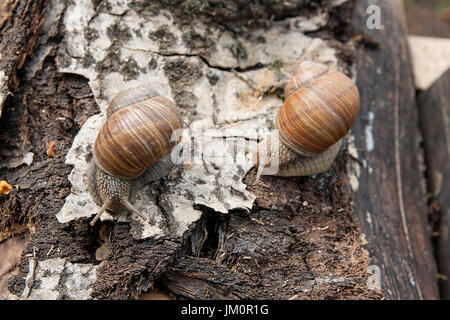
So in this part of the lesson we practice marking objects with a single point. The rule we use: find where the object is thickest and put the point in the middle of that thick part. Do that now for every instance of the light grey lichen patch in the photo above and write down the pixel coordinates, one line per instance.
(58, 279)
(303, 24)
(354, 167)
(370, 142)
(17, 161)
(216, 86)
(4, 91)
(266, 46)
(114, 7)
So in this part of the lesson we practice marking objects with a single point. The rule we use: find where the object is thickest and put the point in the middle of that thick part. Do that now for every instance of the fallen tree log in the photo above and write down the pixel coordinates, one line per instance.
(217, 233)
(434, 106)
(389, 187)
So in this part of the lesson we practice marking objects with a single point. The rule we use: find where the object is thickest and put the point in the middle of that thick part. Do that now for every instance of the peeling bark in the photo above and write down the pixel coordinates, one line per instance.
(19, 24)
(215, 232)
(387, 174)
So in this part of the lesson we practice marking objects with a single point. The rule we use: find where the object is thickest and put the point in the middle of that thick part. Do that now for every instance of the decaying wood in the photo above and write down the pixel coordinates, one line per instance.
(197, 278)
(276, 252)
(298, 240)
(10, 252)
(434, 106)
(19, 24)
(278, 238)
(389, 188)
(137, 264)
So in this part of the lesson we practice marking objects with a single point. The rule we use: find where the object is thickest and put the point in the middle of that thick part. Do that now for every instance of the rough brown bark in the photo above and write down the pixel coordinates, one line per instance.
(300, 240)
(19, 24)
(390, 203)
(434, 106)
(41, 187)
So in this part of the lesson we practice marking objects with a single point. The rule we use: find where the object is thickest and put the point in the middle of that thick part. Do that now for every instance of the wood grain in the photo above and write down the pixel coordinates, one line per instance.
(434, 106)
(390, 201)
(19, 24)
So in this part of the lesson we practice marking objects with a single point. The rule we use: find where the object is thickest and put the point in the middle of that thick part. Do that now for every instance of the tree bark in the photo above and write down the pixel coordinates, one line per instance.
(390, 201)
(434, 106)
(19, 24)
(277, 238)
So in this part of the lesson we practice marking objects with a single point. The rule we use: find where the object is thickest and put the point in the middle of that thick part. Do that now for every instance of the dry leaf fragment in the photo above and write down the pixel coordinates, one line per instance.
(51, 150)
(5, 187)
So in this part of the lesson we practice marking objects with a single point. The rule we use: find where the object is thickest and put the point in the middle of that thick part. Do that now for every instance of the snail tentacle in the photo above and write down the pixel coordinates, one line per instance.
(105, 205)
(127, 204)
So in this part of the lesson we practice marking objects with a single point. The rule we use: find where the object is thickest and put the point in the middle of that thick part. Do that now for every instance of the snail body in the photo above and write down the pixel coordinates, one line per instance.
(320, 107)
(137, 135)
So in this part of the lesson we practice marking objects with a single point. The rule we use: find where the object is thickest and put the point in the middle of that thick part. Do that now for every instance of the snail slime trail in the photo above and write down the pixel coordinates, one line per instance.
(137, 133)
(320, 107)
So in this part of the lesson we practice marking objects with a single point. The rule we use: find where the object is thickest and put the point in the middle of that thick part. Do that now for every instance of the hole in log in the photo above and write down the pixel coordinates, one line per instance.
(207, 235)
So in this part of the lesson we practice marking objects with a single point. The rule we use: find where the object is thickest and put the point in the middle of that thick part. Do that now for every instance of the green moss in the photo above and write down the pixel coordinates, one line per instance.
(441, 7)
(276, 65)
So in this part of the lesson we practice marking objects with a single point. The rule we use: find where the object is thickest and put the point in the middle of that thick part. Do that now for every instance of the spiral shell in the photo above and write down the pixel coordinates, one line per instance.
(131, 96)
(320, 107)
(138, 135)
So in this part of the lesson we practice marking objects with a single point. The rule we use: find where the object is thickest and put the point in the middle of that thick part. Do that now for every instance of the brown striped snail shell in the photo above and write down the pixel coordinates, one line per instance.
(137, 134)
(126, 98)
(320, 107)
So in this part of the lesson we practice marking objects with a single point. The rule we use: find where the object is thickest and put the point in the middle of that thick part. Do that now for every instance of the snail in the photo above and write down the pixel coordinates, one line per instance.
(320, 107)
(130, 145)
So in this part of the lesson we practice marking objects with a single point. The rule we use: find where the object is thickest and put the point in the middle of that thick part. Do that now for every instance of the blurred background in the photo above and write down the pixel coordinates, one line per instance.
(429, 39)
(428, 17)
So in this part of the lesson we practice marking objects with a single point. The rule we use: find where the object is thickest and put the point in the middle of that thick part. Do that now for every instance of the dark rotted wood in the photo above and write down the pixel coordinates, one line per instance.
(434, 107)
(390, 203)
(131, 265)
(197, 278)
(19, 24)
(284, 252)
(300, 241)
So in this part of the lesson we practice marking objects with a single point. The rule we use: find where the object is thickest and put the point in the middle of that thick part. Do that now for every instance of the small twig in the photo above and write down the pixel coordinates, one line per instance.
(257, 221)
(237, 74)
(260, 91)
(49, 251)
(29, 279)
(441, 276)
(357, 160)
